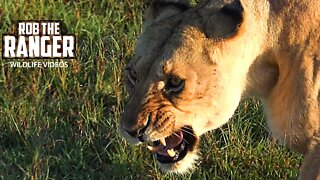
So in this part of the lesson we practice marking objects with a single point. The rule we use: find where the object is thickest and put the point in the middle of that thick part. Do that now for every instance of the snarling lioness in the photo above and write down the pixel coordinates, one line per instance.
(192, 66)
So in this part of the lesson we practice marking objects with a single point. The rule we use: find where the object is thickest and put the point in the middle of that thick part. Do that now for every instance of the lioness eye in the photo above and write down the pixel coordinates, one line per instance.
(174, 84)
(132, 76)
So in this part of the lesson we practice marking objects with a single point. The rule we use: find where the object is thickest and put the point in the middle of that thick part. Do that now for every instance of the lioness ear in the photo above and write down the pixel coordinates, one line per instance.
(161, 9)
(226, 21)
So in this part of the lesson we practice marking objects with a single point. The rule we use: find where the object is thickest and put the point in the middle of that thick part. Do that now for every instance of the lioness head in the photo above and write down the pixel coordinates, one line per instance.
(186, 78)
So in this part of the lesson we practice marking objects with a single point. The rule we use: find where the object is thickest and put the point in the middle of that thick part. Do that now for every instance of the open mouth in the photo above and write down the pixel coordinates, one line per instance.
(174, 147)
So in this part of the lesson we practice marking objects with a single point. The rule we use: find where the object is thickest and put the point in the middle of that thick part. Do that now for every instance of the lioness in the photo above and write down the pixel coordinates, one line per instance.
(192, 65)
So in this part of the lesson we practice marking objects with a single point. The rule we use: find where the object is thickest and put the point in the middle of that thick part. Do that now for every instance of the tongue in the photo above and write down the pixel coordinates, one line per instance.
(172, 141)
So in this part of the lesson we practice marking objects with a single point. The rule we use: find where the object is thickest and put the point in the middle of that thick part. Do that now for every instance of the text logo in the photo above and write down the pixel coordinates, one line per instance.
(38, 39)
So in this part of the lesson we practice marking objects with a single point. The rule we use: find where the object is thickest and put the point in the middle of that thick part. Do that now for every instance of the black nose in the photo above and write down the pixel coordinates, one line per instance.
(138, 132)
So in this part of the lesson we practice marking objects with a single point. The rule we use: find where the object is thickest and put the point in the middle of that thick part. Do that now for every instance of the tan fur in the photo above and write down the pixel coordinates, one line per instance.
(274, 54)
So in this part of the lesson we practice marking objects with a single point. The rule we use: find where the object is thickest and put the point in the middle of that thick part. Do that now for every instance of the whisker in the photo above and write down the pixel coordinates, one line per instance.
(187, 132)
(179, 136)
(184, 126)
(174, 133)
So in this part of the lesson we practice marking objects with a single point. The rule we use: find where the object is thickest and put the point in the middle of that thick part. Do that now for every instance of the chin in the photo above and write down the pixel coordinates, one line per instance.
(185, 165)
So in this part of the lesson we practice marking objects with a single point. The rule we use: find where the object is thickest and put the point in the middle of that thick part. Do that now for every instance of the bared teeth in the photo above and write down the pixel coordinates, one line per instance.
(171, 152)
(159, 146)
(163, 141)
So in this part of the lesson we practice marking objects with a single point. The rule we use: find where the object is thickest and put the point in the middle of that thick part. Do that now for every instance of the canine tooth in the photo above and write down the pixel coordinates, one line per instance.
(171, 152)
(152, 149)
(163, 141)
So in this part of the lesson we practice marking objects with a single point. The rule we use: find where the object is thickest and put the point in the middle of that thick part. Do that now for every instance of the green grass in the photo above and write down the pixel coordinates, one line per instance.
(62, 123)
